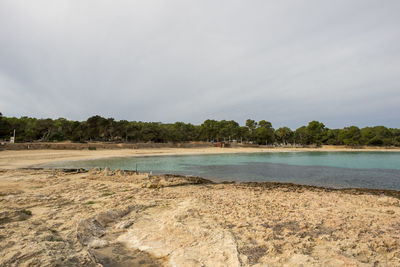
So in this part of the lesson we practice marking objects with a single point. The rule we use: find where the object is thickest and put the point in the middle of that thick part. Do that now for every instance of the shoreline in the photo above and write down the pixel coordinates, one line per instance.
(14, 159)
(267, 185)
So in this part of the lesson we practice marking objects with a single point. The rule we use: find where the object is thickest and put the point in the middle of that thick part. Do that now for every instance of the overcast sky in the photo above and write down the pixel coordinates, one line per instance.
(288, 62)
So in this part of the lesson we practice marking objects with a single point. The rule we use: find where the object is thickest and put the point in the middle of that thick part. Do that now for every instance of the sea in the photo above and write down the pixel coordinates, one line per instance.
(376, 170)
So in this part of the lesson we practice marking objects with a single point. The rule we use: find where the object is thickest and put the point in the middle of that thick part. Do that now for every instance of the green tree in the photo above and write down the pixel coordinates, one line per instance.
(284, 135)
(350, 136)
(315, 131)
(97, 128)
(4, 127)
(264, 133)
(301, 136)
(102, 129)
(228, 129)
(243, 133)
(209, 130)
(251, 125)
(376, 136)
(395, 137)
(332, 137)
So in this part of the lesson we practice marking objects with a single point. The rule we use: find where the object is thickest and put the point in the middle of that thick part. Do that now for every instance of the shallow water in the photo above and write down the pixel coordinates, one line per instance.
(334, 169)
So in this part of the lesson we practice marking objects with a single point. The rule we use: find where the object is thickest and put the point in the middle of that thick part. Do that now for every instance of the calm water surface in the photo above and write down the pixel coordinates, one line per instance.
(334, 169)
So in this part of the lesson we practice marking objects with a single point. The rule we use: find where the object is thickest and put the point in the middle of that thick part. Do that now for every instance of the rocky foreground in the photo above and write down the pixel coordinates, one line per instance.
(117, 218)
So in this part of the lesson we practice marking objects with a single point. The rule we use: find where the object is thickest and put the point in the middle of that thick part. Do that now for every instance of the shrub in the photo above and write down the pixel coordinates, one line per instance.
(27, 212)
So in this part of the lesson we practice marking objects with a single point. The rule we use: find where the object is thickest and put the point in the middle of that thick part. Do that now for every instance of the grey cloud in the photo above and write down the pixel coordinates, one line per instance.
(288, 62)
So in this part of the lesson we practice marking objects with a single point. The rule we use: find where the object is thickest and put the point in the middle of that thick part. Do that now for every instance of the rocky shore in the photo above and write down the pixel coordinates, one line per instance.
(122, 218)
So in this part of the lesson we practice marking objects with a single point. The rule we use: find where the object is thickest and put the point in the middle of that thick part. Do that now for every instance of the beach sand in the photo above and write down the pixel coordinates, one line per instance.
(11, 159)
(117, 218)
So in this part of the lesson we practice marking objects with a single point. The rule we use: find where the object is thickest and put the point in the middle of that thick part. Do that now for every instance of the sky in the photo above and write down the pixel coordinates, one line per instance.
(287, 62)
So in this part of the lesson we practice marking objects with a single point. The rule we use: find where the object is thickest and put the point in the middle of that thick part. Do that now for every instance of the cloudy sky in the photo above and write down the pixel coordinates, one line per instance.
(288, 62)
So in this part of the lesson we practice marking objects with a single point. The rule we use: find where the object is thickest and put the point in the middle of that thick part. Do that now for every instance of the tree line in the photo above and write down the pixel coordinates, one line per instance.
(97, 128)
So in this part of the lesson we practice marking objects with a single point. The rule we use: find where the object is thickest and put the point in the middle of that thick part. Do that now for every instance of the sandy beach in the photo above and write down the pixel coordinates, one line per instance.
(11, 159)
(118, 218)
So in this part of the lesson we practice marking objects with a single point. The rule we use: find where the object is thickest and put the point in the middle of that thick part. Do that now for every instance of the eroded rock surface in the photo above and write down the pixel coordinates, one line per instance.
(180, 233)
(118, 218)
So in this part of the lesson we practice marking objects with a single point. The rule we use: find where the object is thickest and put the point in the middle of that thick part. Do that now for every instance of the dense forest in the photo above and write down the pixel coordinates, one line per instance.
(97, 128)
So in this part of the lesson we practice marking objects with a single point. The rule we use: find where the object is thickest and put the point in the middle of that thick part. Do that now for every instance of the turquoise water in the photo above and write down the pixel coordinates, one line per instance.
(334, 169)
